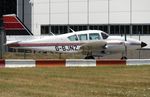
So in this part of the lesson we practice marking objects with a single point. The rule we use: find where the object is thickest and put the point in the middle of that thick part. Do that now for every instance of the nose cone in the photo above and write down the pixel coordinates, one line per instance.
(143, 44)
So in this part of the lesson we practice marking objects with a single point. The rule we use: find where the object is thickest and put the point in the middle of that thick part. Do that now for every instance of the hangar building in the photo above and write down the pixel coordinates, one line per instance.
(111, 16)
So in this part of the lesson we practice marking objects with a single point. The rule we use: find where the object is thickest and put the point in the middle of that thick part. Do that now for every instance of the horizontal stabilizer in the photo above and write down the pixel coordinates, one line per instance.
(11, 42)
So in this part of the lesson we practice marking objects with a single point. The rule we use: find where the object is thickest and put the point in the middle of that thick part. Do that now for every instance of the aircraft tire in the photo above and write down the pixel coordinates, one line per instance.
(89, 57)
(123, 58)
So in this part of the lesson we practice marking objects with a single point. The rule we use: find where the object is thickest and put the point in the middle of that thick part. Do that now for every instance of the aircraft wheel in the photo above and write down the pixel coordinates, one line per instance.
(123, 58)
(89, 57)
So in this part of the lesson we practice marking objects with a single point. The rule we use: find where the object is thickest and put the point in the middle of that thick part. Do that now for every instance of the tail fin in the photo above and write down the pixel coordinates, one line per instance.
(14, 26)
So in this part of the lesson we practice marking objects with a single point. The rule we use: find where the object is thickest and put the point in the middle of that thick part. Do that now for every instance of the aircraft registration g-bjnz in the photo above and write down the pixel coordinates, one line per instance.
(89, 42)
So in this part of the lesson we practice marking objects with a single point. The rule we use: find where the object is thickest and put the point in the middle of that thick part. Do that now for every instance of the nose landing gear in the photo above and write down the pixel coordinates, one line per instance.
(123, 58)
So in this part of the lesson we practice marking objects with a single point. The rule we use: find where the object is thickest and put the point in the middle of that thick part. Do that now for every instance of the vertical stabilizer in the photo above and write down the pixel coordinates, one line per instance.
(14, 26)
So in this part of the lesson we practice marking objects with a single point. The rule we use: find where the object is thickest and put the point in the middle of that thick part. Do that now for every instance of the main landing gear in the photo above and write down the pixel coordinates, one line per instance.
(89, 57)
(123, 58)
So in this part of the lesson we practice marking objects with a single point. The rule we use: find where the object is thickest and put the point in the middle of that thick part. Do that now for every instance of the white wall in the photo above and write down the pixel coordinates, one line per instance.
(141, 11)
(59, 11)
(98, 11)
(119, 11)
(78, 12)
(40, 15)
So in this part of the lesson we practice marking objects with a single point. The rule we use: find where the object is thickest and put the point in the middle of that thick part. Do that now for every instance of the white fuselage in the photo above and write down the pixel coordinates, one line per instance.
(72, 42)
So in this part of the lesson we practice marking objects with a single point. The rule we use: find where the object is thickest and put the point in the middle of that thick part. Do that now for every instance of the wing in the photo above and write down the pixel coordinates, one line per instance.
(93, 46)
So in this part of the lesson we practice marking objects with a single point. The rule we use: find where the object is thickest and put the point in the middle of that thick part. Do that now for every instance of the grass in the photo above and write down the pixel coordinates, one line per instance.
(104, 81)
(37, 55)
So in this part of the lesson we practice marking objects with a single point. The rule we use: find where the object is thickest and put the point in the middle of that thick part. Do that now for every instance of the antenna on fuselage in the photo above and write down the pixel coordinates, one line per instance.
(52, 33)
(125, 46)
(72, 30)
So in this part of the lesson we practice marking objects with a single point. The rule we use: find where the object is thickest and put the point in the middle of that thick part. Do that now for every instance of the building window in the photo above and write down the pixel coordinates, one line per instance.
(124, 29)
(146, 29)
(44, 30)
(59, 29)
(119, 29)
(114, 29)
(141, 29)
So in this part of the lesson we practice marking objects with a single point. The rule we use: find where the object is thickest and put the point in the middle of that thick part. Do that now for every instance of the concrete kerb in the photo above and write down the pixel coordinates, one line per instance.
(80, 63)
(15, 63)
(131, 62)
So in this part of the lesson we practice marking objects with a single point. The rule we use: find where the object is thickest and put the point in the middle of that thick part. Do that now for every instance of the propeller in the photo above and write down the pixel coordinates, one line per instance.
(124, 56)
(143, 44)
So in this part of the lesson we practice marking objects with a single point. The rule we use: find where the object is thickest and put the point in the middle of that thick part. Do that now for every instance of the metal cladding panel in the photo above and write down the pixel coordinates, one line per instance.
(58, 12)
(2, 63)
(98, 11)
(15, 63)
(50, 63)
(110, 62)
(78, 12)
(119, 11)
(140, 11)
(138, 62)
(80, 63)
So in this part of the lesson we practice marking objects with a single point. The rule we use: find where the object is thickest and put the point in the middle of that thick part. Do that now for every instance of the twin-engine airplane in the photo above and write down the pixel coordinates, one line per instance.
(90, 42)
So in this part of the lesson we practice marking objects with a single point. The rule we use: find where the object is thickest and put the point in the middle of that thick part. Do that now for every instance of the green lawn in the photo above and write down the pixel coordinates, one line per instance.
(103, 81)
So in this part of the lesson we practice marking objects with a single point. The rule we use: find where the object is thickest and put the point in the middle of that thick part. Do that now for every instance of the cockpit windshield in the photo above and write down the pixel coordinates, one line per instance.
(104, 35)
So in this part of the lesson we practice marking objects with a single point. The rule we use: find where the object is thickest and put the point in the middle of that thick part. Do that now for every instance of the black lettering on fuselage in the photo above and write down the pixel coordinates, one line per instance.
(66, 48)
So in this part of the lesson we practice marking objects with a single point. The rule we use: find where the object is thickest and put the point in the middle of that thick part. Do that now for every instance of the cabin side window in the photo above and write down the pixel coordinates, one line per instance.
(73, 38)
(94, 36)
(82, 37)
(105, 36)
